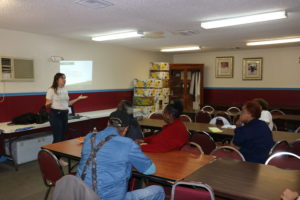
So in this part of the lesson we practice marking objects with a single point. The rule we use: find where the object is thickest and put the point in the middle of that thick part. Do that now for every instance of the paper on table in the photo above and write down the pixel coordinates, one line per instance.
(80, 139)
(215, 130)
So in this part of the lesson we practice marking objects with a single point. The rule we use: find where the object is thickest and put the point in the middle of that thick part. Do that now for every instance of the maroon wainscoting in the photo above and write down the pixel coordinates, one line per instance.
(223, 96)
(16, 105)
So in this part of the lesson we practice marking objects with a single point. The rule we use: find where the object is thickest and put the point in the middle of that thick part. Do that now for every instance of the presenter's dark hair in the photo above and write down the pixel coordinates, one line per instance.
(57, 76)
(175, 109)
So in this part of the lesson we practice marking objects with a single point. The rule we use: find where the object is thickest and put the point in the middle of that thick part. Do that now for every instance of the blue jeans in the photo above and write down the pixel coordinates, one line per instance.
(58, 120)
(153, 192)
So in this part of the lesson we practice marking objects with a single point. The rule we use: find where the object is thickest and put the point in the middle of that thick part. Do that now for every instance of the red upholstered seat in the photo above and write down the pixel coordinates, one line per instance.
(50, 168)
(205, 141)
(285, 160)
(228, 152)
(280, 146)
(185, 118)
(295, 147)
(208, 109)
(155, 115)
(192, 148)
(191, 191)
(203, 117)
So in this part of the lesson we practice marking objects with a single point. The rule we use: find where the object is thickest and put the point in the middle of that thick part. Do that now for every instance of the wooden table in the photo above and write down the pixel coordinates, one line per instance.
(170, 166)
(245, 180)
(287, 117)
(192, 126)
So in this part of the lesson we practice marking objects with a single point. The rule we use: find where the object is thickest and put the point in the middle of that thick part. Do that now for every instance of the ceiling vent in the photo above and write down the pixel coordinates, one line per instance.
(94, 3)
(186, 32)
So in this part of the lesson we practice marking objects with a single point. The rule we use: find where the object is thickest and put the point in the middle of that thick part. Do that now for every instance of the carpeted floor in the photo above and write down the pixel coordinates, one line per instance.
(24, 184)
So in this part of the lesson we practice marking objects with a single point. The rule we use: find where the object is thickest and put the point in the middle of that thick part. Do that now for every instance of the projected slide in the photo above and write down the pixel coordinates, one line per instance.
(77, 72)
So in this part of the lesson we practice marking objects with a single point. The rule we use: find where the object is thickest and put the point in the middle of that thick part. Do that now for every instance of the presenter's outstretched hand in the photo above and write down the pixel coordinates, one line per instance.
(82, 97)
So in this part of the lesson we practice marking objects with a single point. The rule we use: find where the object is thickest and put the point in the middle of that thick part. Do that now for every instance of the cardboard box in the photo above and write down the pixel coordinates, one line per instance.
(147, 92)
(150, 83)
(143, 101)
(160, 66)
(166, 91)
(143, 111)
(159, 75)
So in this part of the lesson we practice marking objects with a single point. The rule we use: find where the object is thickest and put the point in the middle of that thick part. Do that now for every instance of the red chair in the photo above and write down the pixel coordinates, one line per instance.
(155, 115)
(234, 113)
(228, 152)
(205, 141)
(274, 127)
(185, 118)
(192, 147)
(280, 146)
(50, 168)
(208, 109)
(295, 147)
(233, 110)
(277, 112)
(280, 123)
(297, 130)
(202, 117)
(285, 160)
(192, 191)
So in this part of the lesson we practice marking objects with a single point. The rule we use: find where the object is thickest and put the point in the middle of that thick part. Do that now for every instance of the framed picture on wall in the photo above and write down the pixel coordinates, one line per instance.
(224, 67)
(252, 68)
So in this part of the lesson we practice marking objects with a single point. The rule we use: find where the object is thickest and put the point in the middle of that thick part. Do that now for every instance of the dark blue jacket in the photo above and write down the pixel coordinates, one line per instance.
(255, 140)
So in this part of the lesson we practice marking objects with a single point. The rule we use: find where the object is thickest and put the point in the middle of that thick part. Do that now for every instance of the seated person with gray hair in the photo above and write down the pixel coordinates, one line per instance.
(107, 159)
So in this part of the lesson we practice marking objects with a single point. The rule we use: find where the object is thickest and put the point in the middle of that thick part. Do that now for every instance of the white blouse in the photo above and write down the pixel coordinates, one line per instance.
(60, 100)
(267, 117)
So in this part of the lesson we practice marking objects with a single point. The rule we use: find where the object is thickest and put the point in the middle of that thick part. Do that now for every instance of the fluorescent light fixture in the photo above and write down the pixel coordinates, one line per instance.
(190, 48)
(244, 20)
(268, 42)
(117, 36)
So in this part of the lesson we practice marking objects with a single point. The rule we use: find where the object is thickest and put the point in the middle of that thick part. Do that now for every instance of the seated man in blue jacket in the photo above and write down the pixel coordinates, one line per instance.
(107, 159)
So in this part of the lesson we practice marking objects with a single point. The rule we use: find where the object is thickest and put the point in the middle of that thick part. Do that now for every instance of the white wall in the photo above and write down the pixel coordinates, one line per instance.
(281, 67)
(114, 66)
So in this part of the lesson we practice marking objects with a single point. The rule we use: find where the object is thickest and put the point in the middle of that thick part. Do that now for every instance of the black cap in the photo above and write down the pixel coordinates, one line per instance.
(119, 119)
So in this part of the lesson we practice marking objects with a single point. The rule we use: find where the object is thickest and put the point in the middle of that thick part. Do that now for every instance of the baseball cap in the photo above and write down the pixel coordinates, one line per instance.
(119, 119)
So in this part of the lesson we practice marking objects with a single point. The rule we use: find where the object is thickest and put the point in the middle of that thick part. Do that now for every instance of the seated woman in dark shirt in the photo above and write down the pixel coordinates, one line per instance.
(254, 138)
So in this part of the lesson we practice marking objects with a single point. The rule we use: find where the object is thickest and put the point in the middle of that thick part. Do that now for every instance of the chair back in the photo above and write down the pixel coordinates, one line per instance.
(228, 152)
(280, 146)
(219, 121)
(285, 160)
(233, 110)
(208, 109)
(274, 127)
(192, 191)
(185, 118)
(155, 115)
(50, 168)
(295, 147)
(277, 112)
(72, 187)
(202, 117)
(205, 141)
(297, 130)
(192, 147)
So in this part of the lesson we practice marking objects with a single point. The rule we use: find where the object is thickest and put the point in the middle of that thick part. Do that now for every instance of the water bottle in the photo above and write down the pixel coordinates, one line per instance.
(95, 130)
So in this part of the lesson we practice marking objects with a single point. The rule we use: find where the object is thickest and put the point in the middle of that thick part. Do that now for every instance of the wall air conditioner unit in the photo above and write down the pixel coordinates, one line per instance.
(16, 69)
